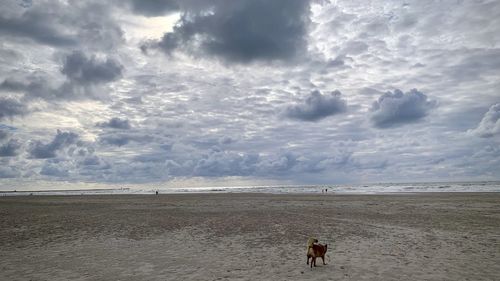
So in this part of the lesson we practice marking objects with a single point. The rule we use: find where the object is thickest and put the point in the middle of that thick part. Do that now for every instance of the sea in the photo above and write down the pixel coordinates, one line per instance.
(375, 188)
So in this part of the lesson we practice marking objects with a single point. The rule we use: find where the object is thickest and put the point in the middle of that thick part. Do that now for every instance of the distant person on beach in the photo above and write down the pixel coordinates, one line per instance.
(157, 192)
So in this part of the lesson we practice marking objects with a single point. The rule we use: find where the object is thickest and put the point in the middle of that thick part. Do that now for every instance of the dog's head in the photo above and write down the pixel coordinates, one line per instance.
(311, 241)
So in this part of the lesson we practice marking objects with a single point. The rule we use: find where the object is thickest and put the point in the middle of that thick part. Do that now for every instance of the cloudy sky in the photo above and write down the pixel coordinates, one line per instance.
(248, 92)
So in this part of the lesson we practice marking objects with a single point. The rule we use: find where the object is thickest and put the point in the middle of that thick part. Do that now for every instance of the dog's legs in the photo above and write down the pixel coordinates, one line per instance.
(323, 258)
(308, 256)
(313, 262)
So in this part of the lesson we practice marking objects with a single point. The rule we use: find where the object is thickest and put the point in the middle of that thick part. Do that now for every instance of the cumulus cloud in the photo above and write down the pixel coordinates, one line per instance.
(398, 108)
(317, 106)
(91, 70)
(242, 30)
(490, 124)
(10, 148)
(154, 8)
(78, 161)
(10, 107)
(40, 150)
(115, 123)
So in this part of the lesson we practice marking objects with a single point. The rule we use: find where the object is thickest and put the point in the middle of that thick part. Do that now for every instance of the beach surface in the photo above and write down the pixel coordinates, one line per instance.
(438, 236)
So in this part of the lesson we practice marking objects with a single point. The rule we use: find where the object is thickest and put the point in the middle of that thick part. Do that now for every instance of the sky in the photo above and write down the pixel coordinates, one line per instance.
(248, 92)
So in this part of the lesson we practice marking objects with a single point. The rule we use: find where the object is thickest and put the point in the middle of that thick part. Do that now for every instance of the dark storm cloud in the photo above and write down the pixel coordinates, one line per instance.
(10, 107)
(241, 31)
(398, 108)
(91, 70)
(40, 150)
(10, 148)
(35, 26)
(85, 74)
(115, 123)
(317, 106)
(490, 124)
(61, 24)
(154, 8)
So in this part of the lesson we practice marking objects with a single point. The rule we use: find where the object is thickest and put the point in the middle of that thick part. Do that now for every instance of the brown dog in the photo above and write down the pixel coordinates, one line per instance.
(315, 250)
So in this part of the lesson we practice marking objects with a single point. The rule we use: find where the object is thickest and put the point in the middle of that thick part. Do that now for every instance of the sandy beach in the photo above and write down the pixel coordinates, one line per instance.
(443, 236)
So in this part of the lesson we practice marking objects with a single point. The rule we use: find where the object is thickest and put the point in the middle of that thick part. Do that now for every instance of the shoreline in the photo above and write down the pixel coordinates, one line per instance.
(236, 194)
(370, 188)
(65, 193)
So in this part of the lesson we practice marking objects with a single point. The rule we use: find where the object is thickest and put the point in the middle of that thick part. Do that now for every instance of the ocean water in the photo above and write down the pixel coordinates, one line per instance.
(377, 188)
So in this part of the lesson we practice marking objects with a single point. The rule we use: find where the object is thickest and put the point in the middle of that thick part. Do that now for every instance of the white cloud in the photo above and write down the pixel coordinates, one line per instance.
(490, 124)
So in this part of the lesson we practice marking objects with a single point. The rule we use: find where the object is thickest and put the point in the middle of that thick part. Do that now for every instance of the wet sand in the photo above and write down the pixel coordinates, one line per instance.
(444, 236)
